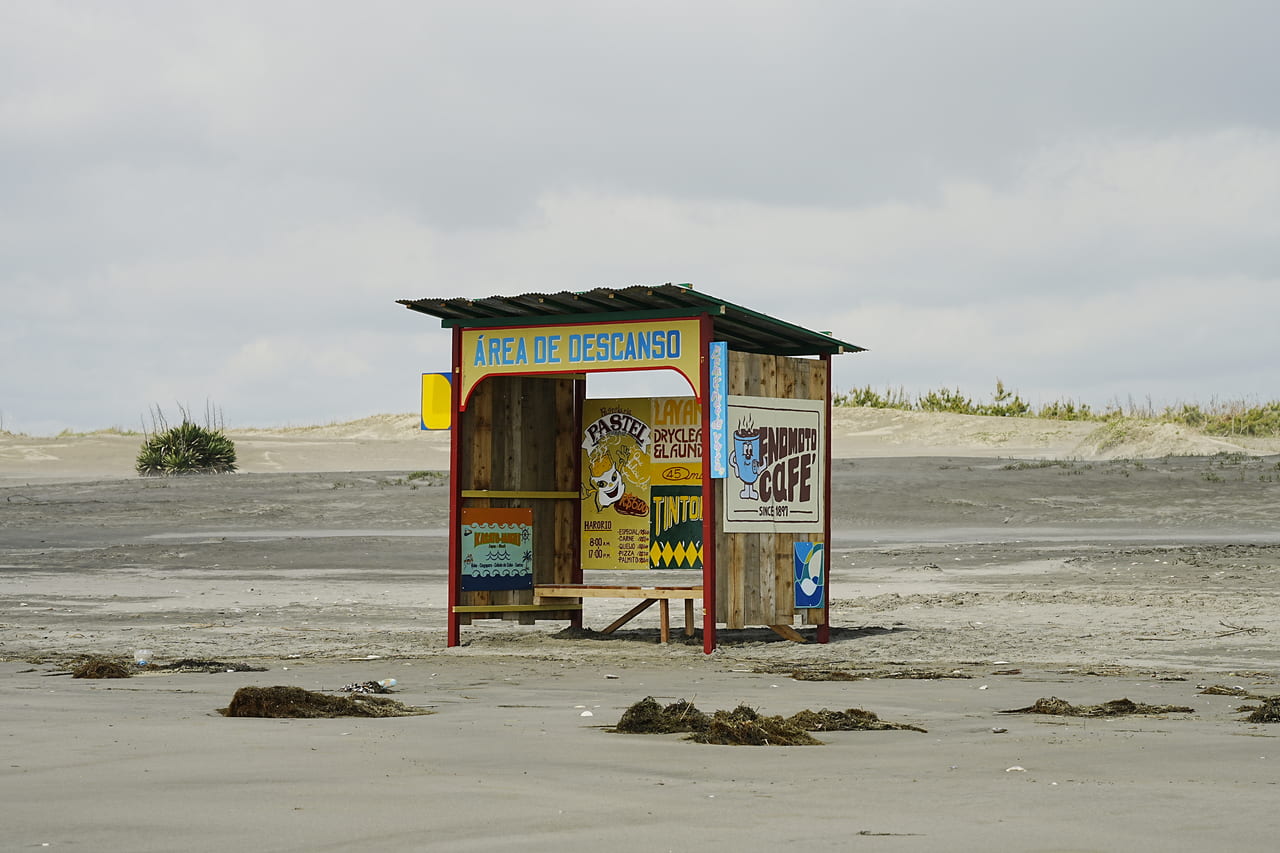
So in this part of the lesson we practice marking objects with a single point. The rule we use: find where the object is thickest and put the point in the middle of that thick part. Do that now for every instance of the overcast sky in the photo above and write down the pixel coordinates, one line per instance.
(222, 201)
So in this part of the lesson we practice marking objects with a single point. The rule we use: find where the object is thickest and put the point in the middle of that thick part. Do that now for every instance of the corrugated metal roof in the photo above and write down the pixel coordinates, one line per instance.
(742, 328)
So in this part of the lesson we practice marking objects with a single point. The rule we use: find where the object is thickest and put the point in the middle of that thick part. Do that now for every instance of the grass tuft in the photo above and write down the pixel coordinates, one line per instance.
(187, 448)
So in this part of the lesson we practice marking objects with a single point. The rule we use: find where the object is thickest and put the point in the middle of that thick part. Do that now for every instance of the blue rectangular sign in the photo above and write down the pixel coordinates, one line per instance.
(718, 406)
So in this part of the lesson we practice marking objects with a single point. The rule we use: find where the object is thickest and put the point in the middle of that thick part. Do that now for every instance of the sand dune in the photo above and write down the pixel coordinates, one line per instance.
(395, 443)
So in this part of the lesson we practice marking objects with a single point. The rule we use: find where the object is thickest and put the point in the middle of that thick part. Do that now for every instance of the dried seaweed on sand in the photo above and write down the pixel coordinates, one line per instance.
(294, 702)
(1267, 712)
(1115, 708)
(826, 675)
(1222, 690)
(101, 668)
(648, 717)
(849, 720)
(744, 727)
(846, 675)
(194, 665)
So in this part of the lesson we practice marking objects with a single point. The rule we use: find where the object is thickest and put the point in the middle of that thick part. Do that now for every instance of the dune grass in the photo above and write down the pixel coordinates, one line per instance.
(1225, 418)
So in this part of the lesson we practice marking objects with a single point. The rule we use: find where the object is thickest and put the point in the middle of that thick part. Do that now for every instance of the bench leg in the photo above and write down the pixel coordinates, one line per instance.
(629, 615)
(787, 632)
(664, 608)
(688, 617)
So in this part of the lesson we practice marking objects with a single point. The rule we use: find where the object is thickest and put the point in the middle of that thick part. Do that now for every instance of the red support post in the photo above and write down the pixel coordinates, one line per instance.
(455, 493)
(824, 629)
(579, 394)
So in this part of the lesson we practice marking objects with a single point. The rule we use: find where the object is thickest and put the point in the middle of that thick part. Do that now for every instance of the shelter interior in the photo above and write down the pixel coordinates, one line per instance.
(518, 444)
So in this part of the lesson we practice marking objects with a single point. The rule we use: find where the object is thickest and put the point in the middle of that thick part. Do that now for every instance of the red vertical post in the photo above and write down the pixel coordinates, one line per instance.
(579, 394)
(455, 492)
(824, 630)
(707, 329)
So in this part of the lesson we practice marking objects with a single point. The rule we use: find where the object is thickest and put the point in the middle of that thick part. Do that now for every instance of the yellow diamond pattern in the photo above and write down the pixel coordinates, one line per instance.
(684, 553)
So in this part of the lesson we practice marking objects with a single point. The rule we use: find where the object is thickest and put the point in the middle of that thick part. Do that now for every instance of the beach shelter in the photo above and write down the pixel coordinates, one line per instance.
(547, 487)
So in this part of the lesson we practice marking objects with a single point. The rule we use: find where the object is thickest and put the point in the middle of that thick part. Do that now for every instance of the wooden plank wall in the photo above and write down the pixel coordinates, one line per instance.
(754, 575)
(520, 433)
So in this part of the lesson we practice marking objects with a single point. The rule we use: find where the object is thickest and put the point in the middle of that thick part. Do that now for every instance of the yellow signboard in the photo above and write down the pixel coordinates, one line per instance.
(437, 404)
(580, 348)
(642, 483)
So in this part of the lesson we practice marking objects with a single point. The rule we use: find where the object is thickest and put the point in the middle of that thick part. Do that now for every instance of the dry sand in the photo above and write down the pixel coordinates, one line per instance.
(1023, 559)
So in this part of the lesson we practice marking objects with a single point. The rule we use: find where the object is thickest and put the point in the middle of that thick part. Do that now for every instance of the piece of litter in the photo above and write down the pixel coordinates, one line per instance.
(586, 714)
(998, 731)
(611, 675)
(1015, 769)
(983, 687)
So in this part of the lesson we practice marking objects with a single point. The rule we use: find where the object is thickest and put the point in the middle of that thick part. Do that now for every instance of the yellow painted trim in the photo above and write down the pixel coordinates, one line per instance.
(495, 493)
(589, 591)
(576, 348)
(505, 608)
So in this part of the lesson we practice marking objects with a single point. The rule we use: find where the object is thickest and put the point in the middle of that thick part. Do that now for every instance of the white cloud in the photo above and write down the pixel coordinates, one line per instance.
(224, 200)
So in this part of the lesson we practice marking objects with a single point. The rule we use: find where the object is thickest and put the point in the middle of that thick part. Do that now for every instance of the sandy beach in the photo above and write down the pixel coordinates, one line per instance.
(978, 564)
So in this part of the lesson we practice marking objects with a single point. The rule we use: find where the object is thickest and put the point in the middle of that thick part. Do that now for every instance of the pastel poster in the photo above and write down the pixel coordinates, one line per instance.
(641, 483)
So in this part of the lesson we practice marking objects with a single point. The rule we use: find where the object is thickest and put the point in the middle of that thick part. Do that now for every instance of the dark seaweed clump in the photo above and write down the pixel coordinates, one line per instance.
(1115, 708)
(851, 720)
(744, 726)
(649, 717)
(101, 668)
(1267, 712)
(194, 665)
(296, 703)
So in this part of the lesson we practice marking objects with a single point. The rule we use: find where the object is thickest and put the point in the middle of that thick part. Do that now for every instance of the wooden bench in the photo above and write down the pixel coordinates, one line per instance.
(661, 594)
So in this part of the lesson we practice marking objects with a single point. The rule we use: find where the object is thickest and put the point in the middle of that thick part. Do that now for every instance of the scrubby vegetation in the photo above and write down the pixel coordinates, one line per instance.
(187, 448)
(1218, 418)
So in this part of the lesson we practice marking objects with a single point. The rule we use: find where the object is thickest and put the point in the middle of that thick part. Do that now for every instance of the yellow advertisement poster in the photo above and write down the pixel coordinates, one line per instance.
(642, 483)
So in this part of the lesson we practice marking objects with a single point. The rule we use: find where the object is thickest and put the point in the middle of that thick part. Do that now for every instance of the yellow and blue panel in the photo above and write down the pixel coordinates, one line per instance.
(437, 401)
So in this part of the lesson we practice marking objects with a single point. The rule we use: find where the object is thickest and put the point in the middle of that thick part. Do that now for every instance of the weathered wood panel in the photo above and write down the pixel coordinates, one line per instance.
(755, 582)
(521, 435)
(817, 390)
(478, 428)
(758, 575)
(566, 524)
